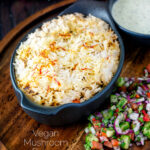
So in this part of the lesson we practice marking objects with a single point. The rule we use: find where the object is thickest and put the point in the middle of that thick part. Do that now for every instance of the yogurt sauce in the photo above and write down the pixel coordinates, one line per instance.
(133, 15)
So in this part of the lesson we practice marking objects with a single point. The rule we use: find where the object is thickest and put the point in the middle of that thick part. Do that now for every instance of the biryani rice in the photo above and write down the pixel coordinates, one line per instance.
(68, 59)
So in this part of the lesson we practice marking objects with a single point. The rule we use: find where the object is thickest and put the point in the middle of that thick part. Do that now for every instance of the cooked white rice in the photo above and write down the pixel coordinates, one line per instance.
(68, 59)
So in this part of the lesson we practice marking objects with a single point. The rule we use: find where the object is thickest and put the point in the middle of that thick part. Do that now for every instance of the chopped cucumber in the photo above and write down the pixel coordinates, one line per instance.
(125, 141)
(108, 114)
(120, 82)
(130, 110)
(122, 102)
(110, 132)
(113, 99)
(87, 147)
(146, 129)
(113, 107)
(124, 126)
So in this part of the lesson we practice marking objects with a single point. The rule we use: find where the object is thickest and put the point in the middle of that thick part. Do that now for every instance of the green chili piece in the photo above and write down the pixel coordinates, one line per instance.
(146, 129)
(120, 82)
(125, 141)
(122, 102)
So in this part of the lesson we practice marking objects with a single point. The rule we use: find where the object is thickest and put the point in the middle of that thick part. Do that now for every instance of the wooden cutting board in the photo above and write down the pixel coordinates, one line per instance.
(17, 130)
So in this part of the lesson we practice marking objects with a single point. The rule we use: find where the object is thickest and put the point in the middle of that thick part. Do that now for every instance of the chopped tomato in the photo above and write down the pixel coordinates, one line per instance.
(148, 68)
(97, 134)
(131, 136)
(117, 110)
(137, 96)
(148, 94)
(108, 144)
(93, 119)
(96, 121)
(123, 88)
(115, 142)
(115, 114)
(146, 117)
(96, 145)
(144, 112)
(76, 101)
(103, 134)
(134, 106)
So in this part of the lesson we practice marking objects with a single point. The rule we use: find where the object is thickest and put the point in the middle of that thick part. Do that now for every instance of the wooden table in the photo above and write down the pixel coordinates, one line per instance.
(13, 12)
(17, 130)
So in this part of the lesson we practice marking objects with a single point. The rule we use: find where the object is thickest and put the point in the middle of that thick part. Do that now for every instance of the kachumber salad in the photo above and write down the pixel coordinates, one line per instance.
(68, 60)
(126, 121)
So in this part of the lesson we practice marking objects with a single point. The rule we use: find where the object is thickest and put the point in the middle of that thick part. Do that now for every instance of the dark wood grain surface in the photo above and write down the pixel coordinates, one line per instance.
(13, 12)
(20, 132)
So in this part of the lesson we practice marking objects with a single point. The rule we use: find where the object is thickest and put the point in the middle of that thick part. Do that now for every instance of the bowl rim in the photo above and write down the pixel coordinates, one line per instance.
(110, 5)
(53, 110)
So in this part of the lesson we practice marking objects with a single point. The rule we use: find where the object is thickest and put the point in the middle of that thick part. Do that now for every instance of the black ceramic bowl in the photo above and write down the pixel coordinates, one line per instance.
(136, 38)
(69, 113)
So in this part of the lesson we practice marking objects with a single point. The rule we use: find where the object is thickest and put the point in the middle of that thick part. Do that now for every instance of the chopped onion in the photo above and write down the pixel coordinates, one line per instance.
(117, 94)
(117, 128)
(116, 148)
(127, 84)
(92, 130)
(137, 125)
(103, 138)
(98, 114)
(126, 79)
(139, 100)
(138, 143)
(148, 107)
(140, 90)
(142, 140)
(86, 130)
(128, 98)
(146, 102)
(134, 116)
(128, 120)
